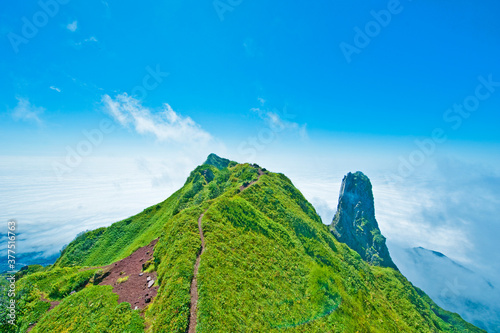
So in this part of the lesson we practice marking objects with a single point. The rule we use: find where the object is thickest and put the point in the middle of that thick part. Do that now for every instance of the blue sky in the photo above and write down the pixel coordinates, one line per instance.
(259, 81)
(426, 59)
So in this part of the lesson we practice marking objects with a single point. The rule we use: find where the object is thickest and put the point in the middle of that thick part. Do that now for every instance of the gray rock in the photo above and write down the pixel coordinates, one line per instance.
(150, 283)
(354, 223)
(149, 278)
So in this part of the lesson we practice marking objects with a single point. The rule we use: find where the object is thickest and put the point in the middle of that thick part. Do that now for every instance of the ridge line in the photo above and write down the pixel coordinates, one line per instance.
(193, 312)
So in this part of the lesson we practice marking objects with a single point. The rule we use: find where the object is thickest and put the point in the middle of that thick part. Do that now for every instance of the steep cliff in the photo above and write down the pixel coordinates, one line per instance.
(354, 223)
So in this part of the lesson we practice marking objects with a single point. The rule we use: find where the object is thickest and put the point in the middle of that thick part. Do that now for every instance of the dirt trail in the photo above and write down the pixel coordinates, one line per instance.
(53, 304)
(242, 187)
(193, 316)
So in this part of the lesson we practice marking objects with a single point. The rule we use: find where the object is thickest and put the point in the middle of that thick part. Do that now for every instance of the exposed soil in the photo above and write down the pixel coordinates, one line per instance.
(193, 316)
(135, 289)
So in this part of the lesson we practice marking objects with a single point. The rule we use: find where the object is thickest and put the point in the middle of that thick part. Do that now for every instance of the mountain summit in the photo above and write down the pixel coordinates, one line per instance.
(218, 162)
(355, 223)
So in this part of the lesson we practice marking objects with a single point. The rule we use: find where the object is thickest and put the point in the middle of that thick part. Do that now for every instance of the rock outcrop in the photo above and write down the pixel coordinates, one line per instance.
(354, 223)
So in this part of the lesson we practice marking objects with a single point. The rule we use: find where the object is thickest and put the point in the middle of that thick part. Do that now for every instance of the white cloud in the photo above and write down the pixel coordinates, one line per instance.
(91, 39)
(72, 26)
(55, 88)
(165, 125)
(24, 110)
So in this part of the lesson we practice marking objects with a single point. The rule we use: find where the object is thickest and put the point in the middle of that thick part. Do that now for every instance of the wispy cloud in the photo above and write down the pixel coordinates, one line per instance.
(277, 120)
(165, 125)
(467, 198)
(89, 40)
(452, 286)
(72, 26)
(452, 207)
(25, 111)
(55, 88)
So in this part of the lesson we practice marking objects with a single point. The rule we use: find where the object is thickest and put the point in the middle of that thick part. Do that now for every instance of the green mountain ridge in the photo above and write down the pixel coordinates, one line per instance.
(269, 265)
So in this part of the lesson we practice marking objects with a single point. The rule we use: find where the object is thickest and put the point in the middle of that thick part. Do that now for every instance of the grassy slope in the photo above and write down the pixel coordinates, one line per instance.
(94, 310)
(90, 309)
(269, 265)
(107, 245)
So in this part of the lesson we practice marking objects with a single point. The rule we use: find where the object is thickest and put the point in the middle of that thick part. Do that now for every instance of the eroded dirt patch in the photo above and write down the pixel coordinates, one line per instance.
(136, 287)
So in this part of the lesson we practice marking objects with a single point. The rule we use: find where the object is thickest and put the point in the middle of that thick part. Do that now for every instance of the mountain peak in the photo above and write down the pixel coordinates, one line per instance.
(422, 249)
(355, 223)
(218, 162)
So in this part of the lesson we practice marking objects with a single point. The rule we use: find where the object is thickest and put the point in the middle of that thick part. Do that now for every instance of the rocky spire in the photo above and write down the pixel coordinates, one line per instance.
(354, 223)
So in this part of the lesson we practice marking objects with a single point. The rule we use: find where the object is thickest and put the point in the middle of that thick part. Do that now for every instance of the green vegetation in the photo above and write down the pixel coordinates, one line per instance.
(175, 255)
(30, 308)
(95, 309)
(27, 270)
(104, 246)
(269, 265)
(122, 279)
(218, 162)
(35, 291)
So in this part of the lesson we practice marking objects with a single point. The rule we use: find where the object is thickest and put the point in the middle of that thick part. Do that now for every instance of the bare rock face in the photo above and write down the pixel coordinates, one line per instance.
(354, 223)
